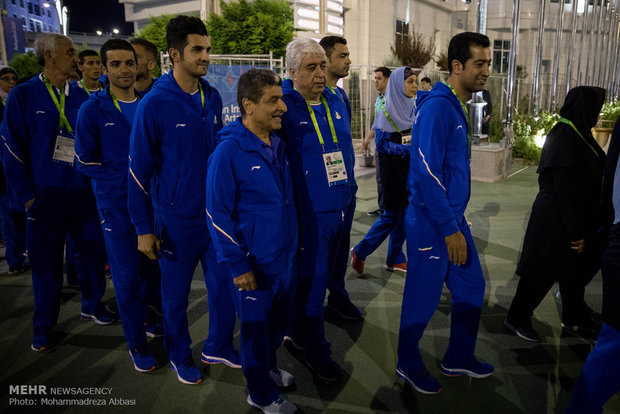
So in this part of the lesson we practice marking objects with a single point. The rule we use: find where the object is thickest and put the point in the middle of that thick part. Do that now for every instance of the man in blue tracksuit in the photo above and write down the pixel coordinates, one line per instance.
(102, 149)
(172, 137)
(253, 222)
(339, 62)
(316, 129)
(37, 133)
(440, 248)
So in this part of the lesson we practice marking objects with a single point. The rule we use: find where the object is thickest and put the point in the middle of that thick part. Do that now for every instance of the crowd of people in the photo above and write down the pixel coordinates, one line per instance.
(141, 173)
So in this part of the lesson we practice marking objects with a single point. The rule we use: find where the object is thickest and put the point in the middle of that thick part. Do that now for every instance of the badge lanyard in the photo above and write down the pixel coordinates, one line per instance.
(86, 89)
(329, 120)
(388, 117)
(569, 122)
(64, 122)
(116, 100)
(465, 112)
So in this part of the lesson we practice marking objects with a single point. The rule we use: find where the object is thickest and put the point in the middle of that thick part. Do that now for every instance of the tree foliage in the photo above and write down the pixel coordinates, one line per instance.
(442, 61)
(25, 64)
(252, 27)
(414, 51)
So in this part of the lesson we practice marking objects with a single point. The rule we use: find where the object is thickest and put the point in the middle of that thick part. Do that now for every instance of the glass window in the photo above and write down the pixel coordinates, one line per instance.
(21, 3)
(30, 10)
(402, 31)
(31, 26)
(501, 55)
(37, 10)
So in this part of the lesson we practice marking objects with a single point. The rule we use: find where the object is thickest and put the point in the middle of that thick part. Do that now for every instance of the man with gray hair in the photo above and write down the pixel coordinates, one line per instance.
(38, 155)
(317, 131)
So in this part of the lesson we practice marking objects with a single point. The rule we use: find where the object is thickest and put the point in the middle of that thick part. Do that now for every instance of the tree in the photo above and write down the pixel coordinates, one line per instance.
(25, 64)
(442, 61)
(252, 27)
(413, 50)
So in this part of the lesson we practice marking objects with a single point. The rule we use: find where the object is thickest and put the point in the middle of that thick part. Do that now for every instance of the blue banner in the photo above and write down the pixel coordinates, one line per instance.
(224, 78)
(13, 36)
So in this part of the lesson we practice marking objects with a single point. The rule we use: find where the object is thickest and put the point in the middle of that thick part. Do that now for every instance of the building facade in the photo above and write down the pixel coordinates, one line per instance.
(35, 15)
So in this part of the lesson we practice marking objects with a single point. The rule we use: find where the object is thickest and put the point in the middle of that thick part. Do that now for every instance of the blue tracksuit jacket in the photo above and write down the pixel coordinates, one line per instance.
(306, 155)
(29, 130)
(171, 140)
(101, 148)
(439, 174)
(250, 203)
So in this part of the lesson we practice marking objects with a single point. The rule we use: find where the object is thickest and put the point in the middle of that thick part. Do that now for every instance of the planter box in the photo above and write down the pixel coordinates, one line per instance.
(490, 163)
(601, 135)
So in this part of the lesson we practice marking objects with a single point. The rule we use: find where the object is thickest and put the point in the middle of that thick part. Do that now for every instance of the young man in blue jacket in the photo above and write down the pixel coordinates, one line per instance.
(253, 222)
(172, 137)
(339, 62)
(102, 149)
(37, 133)
(316, 129)
(440, 247)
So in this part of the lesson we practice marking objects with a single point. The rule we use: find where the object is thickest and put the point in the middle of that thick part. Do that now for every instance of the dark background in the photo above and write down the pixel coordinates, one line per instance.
(88, 16)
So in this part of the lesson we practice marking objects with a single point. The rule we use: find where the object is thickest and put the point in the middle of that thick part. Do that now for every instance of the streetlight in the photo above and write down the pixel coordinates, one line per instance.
(115, 31)
(99, 32)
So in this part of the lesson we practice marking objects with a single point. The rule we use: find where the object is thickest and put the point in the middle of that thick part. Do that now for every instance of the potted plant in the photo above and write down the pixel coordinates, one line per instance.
(606, 122)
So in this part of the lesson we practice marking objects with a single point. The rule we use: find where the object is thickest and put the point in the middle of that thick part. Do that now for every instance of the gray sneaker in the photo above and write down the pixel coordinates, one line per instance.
(279, 406)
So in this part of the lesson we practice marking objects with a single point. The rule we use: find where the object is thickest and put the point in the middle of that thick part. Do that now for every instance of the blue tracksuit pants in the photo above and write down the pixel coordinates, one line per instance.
(53, 213)
(13, 233)
(336, 284)
(182, 248)
(428, 270)
(599, 380)
(265, 314)
(130, 272)
(392, 223)
(322, 237)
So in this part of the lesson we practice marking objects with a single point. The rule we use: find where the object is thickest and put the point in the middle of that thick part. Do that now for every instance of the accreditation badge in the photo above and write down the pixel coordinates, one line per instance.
(64, 150)
(335, 168)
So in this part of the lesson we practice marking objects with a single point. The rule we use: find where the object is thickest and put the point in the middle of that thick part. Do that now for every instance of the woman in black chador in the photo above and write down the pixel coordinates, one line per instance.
(562, 241)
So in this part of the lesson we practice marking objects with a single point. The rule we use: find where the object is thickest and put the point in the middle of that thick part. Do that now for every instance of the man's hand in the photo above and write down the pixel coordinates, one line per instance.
(367, 140)
(457, 248)
(29, 203)
(245, 282)
(148, 244)
(578, 245)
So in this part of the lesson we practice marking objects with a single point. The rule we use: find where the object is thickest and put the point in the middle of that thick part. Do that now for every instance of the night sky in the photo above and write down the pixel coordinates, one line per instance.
(88, 16)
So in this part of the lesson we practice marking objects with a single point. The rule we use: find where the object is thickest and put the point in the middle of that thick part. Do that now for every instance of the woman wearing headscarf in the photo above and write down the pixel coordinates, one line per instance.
(561, 241)
(394, 120)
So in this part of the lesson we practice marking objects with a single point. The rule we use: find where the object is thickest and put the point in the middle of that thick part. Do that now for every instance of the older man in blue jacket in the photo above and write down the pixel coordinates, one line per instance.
(102, 149)
(253, 223)
(317, 132)
(38, 155)
(440, 247)
(172, 137)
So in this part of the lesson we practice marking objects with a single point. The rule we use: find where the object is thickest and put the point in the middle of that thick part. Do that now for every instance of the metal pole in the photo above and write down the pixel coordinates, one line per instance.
(203, 10)
(569, 68)
(592, 43)
(539, 47)
(584, 28)
(600, 81)
(481, 24)
(598, 45)
(607, 78)
(613, 92)
(556, 57)
(508, 139)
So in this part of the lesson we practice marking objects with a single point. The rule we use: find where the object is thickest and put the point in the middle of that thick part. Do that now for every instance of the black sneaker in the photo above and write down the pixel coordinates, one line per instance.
(529, 334)
(327, 371)
(345, 309)
(586, 326)
(376, 212)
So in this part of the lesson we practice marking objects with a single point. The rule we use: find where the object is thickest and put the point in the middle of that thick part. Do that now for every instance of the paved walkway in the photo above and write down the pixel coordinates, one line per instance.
(529, 378)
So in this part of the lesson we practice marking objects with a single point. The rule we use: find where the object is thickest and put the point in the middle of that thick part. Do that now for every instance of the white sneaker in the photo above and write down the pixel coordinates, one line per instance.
(279, 406)
(281, 377)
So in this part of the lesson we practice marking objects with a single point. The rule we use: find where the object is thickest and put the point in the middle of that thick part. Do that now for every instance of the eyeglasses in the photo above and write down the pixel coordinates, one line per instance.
(9, 78)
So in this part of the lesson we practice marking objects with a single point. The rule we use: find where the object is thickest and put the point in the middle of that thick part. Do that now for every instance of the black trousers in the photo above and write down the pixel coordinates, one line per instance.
(610, 267)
